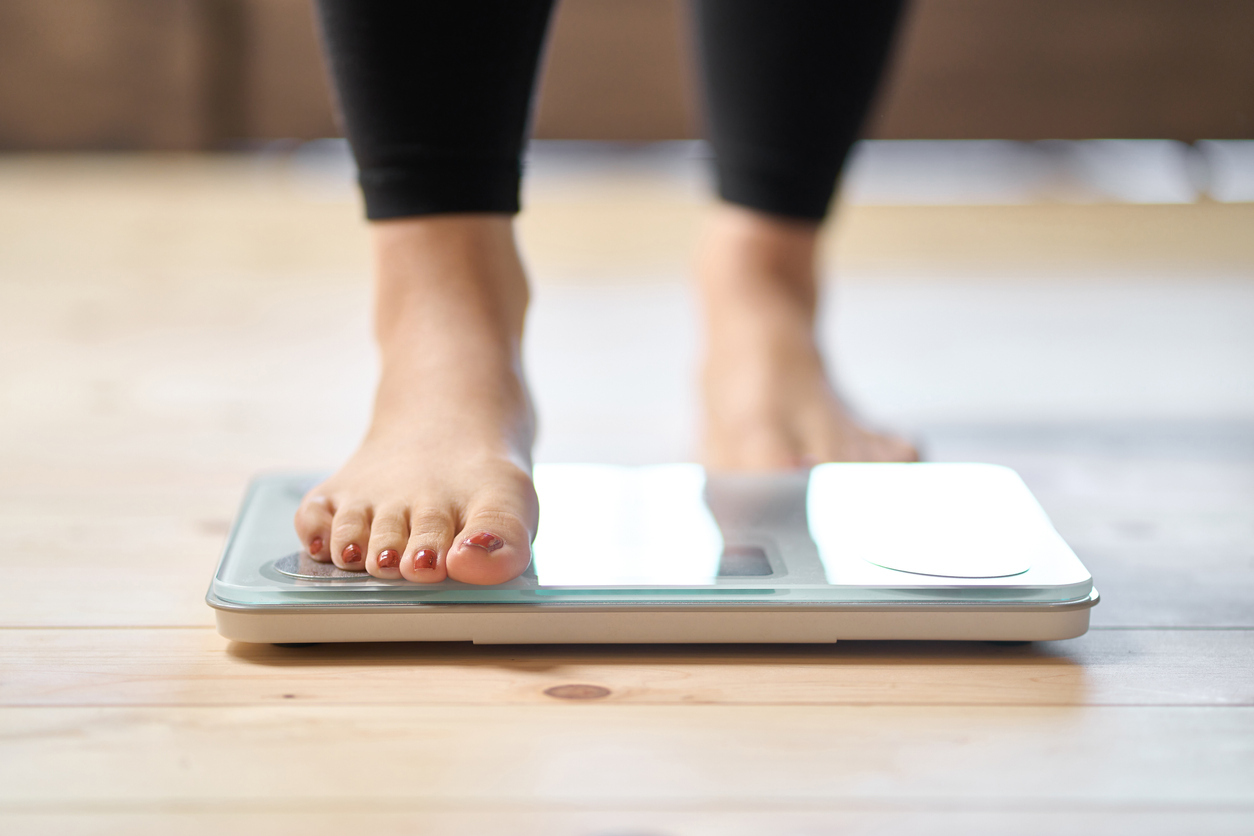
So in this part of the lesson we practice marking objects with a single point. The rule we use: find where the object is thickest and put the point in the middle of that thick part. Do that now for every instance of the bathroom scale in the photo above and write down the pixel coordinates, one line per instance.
(671, 553)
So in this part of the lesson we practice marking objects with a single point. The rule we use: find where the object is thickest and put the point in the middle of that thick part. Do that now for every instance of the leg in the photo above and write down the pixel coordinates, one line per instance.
(788, 83)
(435, 100)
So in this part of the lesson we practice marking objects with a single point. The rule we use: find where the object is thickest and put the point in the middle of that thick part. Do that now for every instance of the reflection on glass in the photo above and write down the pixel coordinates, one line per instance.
(744, 562)
(607, 525)
(950, 520)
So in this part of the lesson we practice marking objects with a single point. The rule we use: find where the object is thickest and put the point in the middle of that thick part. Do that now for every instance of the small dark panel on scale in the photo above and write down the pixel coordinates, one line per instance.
(743, 562)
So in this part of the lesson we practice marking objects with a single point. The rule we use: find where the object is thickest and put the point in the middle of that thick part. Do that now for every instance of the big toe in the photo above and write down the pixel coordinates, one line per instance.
(495, 544)
(493, 549)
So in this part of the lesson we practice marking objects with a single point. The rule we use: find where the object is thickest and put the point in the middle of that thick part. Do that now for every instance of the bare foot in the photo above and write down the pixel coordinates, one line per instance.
(441, 485)
(768, 402)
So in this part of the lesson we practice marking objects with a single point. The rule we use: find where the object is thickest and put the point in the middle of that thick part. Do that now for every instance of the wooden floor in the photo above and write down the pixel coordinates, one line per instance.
(173, 326)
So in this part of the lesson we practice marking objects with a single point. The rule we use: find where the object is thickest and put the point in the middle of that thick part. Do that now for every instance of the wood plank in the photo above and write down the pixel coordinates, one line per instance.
(1172, 589)
(1162, 515)
(137, 570)
(197, 223)
(524, 821)
(597, 756)
(196, 667)
(174, 553)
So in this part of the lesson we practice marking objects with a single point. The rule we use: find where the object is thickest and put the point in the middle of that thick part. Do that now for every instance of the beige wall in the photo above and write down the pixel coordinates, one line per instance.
(184, 74)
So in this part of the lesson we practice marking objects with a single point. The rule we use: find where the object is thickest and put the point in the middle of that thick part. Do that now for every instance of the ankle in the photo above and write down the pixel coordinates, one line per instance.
(754, 268)
(437, 271)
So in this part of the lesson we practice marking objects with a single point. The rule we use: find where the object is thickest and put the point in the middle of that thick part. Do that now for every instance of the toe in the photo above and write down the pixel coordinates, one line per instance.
(430, 536)
(389, 529)
(350, 534)
(493, 547)
(313, 525)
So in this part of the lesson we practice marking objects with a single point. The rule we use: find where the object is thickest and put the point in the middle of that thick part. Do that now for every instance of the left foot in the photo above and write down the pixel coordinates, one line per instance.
(768, 402)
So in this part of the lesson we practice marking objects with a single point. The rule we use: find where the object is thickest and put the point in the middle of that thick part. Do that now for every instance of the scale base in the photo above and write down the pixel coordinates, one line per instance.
(720, 624)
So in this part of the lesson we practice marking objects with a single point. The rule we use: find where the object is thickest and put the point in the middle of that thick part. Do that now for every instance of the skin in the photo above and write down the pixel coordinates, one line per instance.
(768, 401)
(440, 486)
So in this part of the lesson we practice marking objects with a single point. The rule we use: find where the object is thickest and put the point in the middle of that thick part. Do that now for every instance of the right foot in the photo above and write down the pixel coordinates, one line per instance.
(441, 485)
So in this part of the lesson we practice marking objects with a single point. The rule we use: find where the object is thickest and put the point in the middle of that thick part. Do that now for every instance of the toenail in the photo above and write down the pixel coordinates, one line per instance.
(424, 559)
(315, 545)
(389, 559)
(351, 553)
(485, 541)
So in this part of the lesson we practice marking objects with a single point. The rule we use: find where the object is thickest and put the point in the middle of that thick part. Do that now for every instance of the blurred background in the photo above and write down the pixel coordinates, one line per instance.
(212, 74)
(1049, 226)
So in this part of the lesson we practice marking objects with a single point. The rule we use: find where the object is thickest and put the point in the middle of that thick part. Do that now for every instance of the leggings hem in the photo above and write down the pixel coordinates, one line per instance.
(440, 189)
(798, 195)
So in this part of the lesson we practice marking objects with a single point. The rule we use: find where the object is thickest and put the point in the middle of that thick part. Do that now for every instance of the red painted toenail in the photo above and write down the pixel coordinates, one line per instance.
(351, 553)
(315, 545)
(485, 541)
(424, 559)
(389, 559)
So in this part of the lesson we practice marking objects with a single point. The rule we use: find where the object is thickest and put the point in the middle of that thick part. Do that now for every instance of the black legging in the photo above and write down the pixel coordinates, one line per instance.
(436, 95)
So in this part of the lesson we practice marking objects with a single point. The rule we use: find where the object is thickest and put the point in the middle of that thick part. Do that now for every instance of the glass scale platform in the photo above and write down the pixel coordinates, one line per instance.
(671, 553)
